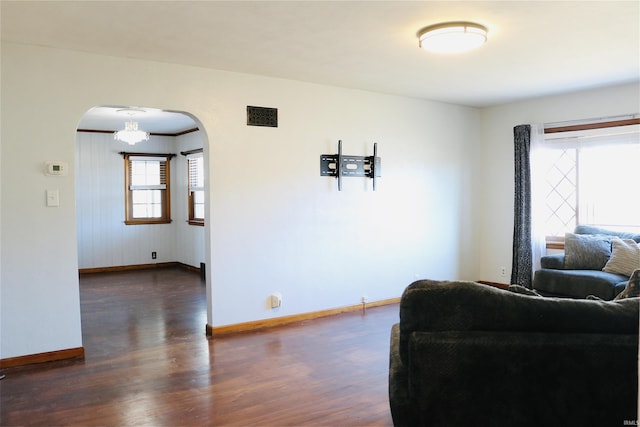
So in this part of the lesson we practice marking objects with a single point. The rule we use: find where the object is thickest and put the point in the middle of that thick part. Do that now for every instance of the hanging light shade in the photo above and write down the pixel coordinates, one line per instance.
(130, 134)
(452, 37)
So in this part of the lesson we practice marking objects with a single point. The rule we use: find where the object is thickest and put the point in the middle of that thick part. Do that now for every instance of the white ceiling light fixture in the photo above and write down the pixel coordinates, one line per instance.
(131, 134)
(452, 37)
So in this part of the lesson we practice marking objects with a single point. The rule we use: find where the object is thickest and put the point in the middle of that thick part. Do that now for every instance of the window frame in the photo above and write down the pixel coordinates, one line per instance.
(557, 242)
(165, 193)
(191, 155)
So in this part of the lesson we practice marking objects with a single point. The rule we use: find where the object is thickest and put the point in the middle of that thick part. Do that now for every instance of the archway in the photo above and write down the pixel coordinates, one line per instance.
(105, 241)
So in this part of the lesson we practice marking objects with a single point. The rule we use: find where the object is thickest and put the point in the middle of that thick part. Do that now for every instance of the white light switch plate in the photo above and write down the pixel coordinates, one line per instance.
(53, 198)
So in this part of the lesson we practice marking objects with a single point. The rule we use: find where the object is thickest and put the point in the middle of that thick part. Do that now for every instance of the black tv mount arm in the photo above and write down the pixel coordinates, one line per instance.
(339, 165)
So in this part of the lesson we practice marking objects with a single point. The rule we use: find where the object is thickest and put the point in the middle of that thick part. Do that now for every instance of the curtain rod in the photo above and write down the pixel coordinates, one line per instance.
(608, 122)
(127, 153)
(591, 121)
(186, 153)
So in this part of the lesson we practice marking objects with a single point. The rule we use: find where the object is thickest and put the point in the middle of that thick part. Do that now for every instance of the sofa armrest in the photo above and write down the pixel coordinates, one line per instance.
(400, 402)
(555, 262)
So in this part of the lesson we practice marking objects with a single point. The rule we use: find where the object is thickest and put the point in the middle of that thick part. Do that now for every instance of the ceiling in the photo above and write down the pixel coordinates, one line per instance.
(111, 118)
(534, 48)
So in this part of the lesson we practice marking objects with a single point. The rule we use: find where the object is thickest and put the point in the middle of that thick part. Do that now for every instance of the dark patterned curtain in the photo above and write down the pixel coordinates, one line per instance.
(522, 253)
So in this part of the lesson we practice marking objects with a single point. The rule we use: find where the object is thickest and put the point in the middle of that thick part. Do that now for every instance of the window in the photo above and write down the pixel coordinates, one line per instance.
(591, 177)
(561, 185)
(147, 189)
(195, 167)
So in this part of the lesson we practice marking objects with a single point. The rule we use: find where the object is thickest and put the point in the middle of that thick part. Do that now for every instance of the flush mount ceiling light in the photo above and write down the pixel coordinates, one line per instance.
(130, 134)
(452, 37)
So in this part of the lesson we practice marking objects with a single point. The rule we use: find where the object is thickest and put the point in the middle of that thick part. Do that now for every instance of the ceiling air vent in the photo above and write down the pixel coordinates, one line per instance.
(262, 116)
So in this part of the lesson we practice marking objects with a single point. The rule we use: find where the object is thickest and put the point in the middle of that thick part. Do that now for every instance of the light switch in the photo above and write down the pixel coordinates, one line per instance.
(53, 198)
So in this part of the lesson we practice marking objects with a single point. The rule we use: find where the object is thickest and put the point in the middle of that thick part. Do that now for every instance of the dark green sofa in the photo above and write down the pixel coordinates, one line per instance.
(469, 354)
(558, 278)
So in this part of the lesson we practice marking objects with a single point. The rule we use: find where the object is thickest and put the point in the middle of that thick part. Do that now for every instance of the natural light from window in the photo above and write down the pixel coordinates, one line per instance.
(608, 193)
(147, 203)
(593, 184)
(147, 189)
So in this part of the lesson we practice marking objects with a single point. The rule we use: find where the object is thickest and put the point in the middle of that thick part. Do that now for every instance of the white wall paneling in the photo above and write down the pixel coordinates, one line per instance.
(103, 238)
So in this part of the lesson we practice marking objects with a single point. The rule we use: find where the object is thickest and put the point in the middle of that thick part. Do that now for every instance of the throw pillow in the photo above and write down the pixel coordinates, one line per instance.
(625, 257)
(632, 290)
(586, 251)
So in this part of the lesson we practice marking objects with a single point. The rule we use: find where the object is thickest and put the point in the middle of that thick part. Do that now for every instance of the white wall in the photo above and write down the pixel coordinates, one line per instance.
(321, 248)
(274, 223)
(495, 219)
(103, 238)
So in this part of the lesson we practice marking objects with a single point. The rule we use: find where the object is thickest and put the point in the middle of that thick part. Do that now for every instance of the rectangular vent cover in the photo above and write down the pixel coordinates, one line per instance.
(262, 116)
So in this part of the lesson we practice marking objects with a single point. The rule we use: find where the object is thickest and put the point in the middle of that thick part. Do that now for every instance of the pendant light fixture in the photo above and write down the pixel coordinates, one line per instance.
(131, 134)
(452, 37)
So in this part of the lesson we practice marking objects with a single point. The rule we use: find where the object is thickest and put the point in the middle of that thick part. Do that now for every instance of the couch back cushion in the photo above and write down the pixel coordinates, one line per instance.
(590, 229)
(429, 305)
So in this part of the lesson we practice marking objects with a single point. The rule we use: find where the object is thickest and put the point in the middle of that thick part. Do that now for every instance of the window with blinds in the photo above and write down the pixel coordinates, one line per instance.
(147, 189)
(195, 191)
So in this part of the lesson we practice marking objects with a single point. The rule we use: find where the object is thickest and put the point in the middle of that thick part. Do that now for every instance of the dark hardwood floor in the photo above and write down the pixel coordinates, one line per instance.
(148, 362)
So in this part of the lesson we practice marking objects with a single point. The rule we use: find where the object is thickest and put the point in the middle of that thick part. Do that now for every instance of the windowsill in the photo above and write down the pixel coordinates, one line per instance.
(196, 222)
(554, 242)
(555, 245)
(147, 221)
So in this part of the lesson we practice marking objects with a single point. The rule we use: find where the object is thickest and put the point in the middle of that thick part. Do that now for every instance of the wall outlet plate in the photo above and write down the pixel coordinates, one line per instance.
(276, 300)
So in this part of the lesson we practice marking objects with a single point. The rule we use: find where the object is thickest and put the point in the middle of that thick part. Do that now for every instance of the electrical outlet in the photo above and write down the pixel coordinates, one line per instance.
(153, 255)
(503, 271)
(276, 300)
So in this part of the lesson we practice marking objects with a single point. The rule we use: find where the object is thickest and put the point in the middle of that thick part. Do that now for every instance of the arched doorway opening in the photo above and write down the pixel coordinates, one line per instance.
(105, 196)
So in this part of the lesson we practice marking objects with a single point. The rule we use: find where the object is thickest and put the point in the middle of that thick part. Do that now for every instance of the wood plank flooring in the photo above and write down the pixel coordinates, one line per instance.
(149, 362)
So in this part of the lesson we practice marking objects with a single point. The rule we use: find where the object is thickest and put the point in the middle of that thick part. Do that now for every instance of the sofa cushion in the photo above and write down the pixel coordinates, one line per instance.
(586, 251)
(625, 257)
(578, 283)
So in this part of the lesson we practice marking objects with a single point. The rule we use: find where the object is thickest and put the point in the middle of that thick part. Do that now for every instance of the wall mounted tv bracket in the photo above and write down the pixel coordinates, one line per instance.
(339, 165)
